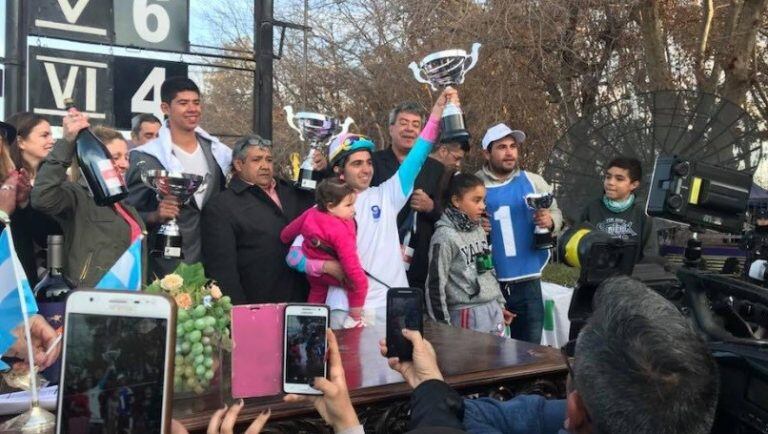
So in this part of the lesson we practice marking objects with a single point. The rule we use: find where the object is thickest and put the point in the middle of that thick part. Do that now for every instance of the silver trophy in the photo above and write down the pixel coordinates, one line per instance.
(182, 186)
(447, 68)
(542, 237)
(316, 128)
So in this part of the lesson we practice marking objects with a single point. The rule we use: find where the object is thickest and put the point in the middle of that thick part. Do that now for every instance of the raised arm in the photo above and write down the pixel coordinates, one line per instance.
(412, 164)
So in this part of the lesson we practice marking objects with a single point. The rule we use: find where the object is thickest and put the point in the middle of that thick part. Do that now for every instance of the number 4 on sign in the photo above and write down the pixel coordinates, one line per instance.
(140, 102)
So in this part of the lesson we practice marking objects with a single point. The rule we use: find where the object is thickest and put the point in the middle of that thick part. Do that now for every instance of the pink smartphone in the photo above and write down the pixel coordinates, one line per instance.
(257, 350)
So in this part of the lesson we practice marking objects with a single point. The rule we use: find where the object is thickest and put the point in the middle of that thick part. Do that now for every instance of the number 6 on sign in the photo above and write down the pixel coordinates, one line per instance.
(504, 217)
(142, 13)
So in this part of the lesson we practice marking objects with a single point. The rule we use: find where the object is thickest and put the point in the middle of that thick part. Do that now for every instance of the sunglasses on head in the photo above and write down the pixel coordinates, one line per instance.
(252, 141)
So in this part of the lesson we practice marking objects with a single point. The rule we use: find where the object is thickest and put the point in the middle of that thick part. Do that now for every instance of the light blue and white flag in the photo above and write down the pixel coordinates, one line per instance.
(126, 273)
(13, 286)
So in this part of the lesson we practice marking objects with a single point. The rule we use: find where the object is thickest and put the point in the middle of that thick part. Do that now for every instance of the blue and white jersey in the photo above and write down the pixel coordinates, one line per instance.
(514, 255)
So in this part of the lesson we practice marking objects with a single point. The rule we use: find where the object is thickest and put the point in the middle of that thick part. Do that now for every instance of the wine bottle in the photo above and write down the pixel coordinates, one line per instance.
(105, 182)
(51, 293)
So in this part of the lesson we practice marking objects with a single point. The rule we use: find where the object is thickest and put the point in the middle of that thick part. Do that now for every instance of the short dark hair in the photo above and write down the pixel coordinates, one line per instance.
(640, 367)
(173, 85)
(632, 165)
(331, 191)
(458, 184)
(139, 119)
(463, 144)
(406, 107)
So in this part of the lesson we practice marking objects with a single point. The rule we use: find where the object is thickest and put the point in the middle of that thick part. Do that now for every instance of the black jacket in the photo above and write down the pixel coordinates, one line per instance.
(241, 243)
(385, 164)
(436, 408)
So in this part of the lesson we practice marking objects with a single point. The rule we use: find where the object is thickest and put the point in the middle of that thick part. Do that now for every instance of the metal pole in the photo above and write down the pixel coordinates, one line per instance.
(15, 57)
(262, 77)
(305, 75)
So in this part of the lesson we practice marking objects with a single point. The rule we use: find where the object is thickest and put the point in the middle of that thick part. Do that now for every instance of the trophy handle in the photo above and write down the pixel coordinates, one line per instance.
(289, 114)
(473, 55)
(345, 126)
(203, 184)
(417, 75)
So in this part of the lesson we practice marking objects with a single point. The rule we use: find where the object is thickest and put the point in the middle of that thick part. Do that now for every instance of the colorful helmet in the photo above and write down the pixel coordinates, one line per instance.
(345, 144)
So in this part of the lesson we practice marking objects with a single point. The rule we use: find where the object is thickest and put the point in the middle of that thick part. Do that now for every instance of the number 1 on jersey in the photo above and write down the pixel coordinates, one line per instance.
(504, 217)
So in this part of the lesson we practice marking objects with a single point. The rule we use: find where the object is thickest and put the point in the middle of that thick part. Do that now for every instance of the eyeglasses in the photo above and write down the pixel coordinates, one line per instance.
(252, 140)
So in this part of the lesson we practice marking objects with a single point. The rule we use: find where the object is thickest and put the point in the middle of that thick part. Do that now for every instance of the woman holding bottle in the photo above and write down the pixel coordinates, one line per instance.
(30, 227)
(94, 236)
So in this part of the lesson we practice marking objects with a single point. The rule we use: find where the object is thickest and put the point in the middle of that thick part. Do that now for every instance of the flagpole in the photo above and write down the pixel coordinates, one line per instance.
(25, 315)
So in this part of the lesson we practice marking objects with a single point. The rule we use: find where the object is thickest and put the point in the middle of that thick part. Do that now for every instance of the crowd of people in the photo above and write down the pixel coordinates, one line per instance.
(404, 216)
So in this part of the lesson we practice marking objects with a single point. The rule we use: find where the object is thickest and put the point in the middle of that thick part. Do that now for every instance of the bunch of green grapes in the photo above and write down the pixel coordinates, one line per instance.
(199, 333)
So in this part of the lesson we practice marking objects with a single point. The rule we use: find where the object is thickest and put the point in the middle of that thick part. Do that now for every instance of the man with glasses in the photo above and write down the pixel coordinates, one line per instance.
(637, 367)
(416, 220)
(241, 229)
(451, 154)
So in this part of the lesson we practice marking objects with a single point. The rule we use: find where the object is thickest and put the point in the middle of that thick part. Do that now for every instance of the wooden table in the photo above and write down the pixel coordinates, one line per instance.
(473, 363)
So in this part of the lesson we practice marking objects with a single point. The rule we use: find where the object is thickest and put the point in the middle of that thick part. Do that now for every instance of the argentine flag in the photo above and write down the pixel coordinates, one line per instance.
(13, 286)
(126, 273)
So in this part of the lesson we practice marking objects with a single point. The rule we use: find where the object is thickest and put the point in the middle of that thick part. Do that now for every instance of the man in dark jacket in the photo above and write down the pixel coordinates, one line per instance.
(241, 229)
(181, 146)
(416, 221)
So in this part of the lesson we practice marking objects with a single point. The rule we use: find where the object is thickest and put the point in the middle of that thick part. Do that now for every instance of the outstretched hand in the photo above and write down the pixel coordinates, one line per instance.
(224, 419)
(449, 94)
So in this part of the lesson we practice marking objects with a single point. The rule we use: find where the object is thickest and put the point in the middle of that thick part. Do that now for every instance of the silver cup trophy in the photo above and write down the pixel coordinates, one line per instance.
(316, 128)
(182, 186)
(447, 68)
(542, 237)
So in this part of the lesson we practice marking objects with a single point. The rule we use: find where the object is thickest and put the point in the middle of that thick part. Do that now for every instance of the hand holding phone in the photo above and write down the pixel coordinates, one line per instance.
(304, 347)
(405, 310)
(424, 365)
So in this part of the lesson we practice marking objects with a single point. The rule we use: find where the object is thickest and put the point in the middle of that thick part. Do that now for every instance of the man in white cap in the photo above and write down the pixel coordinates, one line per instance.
(517, 262)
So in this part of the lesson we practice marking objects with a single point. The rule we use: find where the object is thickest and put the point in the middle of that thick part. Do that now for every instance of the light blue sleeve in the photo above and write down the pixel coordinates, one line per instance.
(412, 164)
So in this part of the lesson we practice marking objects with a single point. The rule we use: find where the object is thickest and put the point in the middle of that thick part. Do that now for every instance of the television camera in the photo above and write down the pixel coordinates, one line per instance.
(730, 311)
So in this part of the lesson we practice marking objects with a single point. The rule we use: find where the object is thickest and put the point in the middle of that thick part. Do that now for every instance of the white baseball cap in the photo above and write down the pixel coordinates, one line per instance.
(499, 131)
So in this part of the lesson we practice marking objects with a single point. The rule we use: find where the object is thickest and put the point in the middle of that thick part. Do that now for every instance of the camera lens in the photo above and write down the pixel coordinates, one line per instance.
(682, 168)
(675, 201)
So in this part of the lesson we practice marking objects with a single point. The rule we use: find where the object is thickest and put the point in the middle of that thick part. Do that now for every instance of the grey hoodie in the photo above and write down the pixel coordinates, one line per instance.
(452, 280)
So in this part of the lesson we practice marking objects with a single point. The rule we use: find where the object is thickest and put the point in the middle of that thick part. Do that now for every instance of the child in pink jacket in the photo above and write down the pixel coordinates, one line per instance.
(329, 233)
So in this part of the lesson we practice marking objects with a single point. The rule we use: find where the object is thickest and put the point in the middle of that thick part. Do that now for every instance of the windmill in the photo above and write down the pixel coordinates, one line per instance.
(696, 125)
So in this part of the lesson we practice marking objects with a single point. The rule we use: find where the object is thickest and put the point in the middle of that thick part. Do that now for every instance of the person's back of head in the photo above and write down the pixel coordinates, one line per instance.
(641, 368)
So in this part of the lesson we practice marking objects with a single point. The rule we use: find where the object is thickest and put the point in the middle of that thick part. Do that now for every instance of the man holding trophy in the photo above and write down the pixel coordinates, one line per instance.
(173, 177)
(522, 215)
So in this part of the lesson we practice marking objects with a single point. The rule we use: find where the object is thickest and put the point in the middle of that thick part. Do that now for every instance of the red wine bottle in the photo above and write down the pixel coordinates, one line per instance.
(105, 182)
(51, 293)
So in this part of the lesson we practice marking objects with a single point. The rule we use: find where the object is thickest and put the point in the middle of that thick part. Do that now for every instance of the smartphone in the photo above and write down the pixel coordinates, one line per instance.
(405, 310)
(117, 363)
(304, 346)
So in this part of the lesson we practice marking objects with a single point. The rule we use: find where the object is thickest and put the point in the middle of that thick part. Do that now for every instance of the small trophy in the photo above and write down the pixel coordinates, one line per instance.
(182, 186)
(316, 128)
(446, 68)
(542, 237)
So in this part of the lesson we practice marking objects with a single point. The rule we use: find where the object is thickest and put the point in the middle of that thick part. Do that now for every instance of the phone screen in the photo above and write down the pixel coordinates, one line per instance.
(305, 348)
(404, 311)
(113, 378)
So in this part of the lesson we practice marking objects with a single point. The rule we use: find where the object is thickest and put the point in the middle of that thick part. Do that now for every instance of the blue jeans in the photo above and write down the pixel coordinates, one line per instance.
(524, 300)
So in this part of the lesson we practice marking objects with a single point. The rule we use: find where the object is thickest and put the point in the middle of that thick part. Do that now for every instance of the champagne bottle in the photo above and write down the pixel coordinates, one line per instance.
(51, 293)
(105, 182)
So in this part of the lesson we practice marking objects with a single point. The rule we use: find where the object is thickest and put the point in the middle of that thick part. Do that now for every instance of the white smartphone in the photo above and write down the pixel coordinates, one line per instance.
(117, 363)
(304, 347)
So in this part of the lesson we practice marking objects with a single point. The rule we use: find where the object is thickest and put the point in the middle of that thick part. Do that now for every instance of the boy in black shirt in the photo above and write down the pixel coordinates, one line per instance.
(618, 213)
